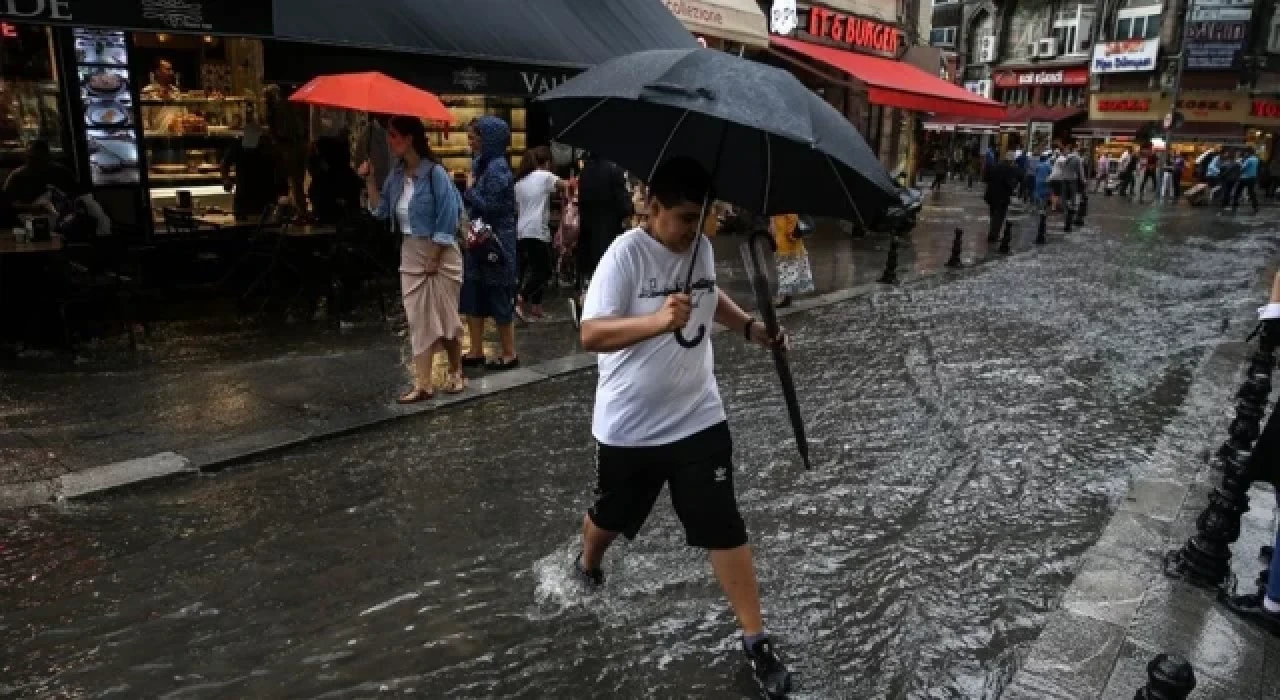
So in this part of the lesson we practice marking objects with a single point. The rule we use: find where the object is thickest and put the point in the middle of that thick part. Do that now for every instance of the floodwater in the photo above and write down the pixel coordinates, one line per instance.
(970, 439)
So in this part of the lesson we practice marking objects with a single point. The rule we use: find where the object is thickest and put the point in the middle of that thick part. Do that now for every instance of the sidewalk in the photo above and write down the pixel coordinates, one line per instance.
(1121, 611)
(192, 401)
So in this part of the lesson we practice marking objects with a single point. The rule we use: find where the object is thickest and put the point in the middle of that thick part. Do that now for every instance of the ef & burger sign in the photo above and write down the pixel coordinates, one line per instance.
(854, 31)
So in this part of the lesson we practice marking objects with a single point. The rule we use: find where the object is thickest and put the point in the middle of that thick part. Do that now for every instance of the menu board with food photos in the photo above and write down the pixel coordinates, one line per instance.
(110, 116)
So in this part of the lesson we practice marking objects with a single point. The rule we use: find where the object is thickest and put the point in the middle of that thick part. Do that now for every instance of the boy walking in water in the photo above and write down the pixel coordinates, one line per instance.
(658, 416)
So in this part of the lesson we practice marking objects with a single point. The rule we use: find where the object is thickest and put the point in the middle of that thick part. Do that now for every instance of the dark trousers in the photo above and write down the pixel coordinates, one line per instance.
(1149, 175)
(535, 268)
(1229, 189)
(999, 212)
(1250, 185)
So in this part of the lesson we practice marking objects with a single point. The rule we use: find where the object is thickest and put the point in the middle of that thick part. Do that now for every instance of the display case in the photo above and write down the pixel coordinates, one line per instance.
(187, 136)
(110, 116)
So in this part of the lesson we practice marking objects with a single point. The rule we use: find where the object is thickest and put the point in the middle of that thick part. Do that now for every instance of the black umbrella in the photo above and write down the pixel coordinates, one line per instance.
(771, 145)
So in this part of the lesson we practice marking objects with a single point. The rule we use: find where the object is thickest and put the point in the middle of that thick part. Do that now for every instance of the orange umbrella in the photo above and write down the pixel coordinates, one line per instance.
(372, 92)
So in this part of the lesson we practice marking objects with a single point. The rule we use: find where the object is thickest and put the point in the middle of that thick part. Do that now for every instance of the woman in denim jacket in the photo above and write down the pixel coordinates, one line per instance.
(421, 202)
(489, 287)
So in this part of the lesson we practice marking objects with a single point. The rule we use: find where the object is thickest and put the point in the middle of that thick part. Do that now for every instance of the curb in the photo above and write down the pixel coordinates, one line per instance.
(1084, 639)
(96, 481)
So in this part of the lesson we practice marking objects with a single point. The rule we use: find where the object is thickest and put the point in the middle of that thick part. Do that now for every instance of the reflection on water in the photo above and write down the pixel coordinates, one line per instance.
(970, 439)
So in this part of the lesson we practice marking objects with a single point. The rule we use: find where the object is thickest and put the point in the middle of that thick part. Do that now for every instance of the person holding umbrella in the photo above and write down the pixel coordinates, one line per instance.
(420, 201)
(658, 418)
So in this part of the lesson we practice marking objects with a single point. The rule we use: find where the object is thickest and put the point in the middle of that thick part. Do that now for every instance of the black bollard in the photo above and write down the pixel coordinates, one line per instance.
(1068, 214)
(890, 275)
(1006, 241)
(1082, 210)
(956, 246)
(1205, 559)
(1169, 677)
(1042, 231)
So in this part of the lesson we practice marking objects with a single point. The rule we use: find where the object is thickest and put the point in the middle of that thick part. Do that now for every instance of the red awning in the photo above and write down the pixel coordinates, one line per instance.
(1019, 116)
(896, 84)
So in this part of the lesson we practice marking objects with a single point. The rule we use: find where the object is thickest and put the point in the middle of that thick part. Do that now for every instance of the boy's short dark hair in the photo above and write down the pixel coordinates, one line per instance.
(679, 180)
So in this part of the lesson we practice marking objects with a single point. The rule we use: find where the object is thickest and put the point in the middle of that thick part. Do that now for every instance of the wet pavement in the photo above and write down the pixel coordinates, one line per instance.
(201, 387)
(972, 436)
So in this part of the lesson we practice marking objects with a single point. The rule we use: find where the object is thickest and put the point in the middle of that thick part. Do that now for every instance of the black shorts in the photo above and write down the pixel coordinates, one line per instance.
(699, 469)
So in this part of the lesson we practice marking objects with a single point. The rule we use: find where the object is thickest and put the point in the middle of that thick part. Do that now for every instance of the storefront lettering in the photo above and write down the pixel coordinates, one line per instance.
(847, 29)
(1124, 105)
(176, 14)
(1125, 56)
(470, 78)
(694, 12)
(537, 83)
(1266, 109)
(8, 31)
(1205, 105)
(46, 9)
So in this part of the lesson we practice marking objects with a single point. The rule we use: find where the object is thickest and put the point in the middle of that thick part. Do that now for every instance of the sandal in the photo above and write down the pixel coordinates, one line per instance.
(416, 395)
(501, 365)
(469, 361)
(455, 384)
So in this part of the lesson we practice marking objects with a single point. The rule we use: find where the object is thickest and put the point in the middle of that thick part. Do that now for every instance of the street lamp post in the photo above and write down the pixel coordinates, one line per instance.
(1171, 124)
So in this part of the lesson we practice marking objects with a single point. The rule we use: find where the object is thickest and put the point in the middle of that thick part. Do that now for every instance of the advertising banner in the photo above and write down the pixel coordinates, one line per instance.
(1129, 56)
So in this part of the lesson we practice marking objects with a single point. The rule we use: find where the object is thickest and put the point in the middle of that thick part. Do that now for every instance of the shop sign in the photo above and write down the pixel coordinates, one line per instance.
(470, 79)
(855, 32)
(1064, 76)
(1265, 109)
(1215, 45)
(1125, 105)
(538, 83)
(1129, 56)
(1206, 106)
(250, 18)
(784, 17)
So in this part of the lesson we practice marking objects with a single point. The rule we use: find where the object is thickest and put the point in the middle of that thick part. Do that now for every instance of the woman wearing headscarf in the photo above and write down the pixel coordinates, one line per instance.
(423, 205)
(489, 284)
(795, 277)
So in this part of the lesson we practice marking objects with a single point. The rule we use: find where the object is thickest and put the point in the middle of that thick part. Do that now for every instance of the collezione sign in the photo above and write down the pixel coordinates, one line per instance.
(855, 31)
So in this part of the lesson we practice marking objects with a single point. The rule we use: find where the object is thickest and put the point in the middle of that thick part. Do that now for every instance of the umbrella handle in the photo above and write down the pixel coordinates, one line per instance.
(697, 337)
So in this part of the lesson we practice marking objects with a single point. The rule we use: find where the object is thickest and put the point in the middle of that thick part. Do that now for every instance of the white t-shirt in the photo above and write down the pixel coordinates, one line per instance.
(402, 207)
(655, 392)
(533, 202)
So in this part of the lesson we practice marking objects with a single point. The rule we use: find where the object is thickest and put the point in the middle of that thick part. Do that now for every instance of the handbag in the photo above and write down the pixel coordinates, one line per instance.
(480, 239)
(570, 226)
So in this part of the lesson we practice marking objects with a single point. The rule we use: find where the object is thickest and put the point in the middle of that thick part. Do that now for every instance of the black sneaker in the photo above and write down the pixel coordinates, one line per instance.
(592, 579)
(770, 673)
(1251, 608)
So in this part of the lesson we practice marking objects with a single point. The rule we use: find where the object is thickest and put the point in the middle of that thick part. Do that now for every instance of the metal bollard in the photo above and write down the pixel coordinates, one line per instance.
(1006, 241)
(1042, 230)
(1169, 677)
(1067, 215)
(1205, 559)
(956, 246)
(890, 275)
(1082, 210)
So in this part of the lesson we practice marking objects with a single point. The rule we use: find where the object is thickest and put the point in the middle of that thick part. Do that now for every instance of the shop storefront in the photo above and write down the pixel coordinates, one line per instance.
(1212, 120)
(1044, 105)
(1262, 125)
(857, 62)
(143, 99)
(735, 26)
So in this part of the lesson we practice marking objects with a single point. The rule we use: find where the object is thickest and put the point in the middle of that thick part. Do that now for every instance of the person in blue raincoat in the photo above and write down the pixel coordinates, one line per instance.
(489, 276)
(1043, 170)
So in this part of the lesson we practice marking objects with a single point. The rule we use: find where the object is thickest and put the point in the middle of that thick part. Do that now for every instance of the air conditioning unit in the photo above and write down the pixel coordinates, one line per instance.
(987, 49)
(985, 88)
(1032, 50)
(1047, 48)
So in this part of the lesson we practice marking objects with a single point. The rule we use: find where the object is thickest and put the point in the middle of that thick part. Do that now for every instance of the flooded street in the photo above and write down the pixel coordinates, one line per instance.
(971, 436)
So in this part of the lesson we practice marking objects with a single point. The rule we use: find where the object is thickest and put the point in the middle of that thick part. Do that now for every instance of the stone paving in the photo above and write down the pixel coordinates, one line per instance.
(222, 395)
(1121, 611)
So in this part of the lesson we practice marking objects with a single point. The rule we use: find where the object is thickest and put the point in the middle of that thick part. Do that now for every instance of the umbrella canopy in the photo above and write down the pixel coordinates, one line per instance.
(771, 144)
(372, 92)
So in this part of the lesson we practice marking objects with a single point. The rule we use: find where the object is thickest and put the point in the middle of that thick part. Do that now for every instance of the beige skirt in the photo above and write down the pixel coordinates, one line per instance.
(430, 301)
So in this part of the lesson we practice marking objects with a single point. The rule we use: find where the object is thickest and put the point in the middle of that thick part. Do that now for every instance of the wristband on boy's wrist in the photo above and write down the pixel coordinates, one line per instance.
(746, 329)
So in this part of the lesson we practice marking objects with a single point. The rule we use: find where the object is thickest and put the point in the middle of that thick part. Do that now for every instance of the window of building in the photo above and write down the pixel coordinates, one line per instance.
(942, 36)
(945, 2)
(1014, 97)
(199, 96)
(1072, 28)
(1273, 41)
(1138, 19)
(30, 108)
